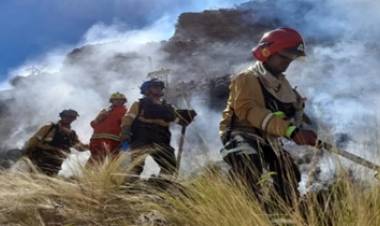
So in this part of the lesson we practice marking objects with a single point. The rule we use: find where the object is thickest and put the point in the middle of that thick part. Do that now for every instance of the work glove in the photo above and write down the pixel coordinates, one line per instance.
(304, 137)
(185, 117)
(124, 146)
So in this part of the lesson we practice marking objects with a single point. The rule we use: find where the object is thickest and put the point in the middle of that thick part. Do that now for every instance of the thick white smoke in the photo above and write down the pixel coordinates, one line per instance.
(339, 75)
(116, 58)
(86, 85)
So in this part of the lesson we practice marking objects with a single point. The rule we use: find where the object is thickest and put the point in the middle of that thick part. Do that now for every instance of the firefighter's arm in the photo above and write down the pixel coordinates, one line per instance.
(37, 141)
(127, 120)
(248, 105)
(78, 145)
(81, 146)
(99, 118)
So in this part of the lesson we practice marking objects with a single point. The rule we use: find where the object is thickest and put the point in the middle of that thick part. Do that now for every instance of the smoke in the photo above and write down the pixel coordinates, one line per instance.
(339, 75)
(84, 85)
(115, 57)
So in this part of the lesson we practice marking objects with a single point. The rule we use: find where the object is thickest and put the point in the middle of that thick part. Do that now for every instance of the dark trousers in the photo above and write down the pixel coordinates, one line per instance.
(47, 161)
(249, 168)
(162, 154)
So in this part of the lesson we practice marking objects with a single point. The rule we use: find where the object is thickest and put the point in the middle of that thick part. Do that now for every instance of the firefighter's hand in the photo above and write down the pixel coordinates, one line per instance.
(304, 137)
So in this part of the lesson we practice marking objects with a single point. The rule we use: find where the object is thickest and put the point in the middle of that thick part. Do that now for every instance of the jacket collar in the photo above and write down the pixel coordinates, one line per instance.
(278, 86)
(268, 79)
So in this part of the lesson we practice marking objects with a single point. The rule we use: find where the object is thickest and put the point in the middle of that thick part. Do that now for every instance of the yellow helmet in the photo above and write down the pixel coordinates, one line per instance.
(118, 96)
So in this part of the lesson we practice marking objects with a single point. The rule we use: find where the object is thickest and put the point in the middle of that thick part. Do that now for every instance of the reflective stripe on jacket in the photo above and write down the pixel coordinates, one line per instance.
(247, 105)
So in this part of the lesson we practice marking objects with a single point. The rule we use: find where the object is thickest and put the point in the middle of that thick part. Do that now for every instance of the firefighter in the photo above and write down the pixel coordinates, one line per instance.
(105, 140)
(50, 145)
(263, 107)
(146, 128)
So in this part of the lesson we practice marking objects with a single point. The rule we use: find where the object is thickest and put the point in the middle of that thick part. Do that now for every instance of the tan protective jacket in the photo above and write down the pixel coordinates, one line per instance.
(45, 135)
(246, 107)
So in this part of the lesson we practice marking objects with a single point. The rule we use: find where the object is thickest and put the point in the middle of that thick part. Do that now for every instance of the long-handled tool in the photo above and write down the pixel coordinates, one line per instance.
(180, 147)
(355, 158)
(185, 118)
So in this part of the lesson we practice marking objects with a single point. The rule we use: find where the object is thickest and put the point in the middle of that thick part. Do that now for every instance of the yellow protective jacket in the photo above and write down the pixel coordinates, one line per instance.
(255, 101)
(49, 146)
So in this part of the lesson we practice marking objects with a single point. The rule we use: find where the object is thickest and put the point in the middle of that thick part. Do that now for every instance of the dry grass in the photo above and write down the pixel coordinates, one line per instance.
(213, 200)
(101, 196)
(98, 197)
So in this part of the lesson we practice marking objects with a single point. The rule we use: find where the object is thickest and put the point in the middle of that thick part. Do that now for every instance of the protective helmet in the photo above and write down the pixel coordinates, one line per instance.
(118, 96)
(69, 113)
(151, 83)
(279, 40)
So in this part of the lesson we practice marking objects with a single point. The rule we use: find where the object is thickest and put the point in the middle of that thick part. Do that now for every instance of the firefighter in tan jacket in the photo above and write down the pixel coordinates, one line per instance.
(50, 145)
(262, 107)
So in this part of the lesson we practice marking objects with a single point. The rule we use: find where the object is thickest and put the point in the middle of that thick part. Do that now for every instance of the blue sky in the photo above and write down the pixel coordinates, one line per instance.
(30, 28)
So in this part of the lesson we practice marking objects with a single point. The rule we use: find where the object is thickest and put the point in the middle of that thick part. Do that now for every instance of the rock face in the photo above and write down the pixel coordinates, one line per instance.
(196, 30)
(211, 45)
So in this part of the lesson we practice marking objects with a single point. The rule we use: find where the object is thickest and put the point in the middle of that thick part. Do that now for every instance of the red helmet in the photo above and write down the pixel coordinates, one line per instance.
(279, 40)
